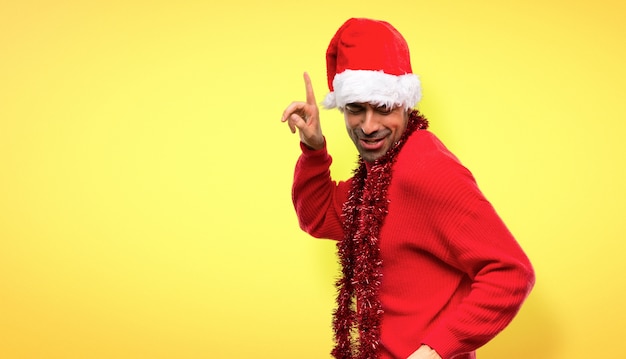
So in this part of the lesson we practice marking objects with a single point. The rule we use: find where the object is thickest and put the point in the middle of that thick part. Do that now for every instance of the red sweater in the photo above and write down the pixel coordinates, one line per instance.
(453, 275)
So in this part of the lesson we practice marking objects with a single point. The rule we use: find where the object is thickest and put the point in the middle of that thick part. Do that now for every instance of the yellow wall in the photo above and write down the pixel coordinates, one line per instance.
(145, 177)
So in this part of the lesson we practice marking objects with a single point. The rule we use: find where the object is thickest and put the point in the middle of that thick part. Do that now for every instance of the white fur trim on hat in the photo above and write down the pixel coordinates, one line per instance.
(375, 87)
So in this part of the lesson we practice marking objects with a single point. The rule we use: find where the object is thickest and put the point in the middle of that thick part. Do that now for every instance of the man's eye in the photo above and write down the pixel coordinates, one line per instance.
(384, 110)
(354, 109)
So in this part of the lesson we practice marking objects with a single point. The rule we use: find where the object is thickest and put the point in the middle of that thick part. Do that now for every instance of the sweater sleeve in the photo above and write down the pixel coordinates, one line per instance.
(502, 278)
(478, 243)
(316, 197)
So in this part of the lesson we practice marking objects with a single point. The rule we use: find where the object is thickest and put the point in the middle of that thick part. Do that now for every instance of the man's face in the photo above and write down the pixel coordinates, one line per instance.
(374, 129)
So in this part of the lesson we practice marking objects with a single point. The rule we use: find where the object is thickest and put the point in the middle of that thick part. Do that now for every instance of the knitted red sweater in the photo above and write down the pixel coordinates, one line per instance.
(453, 275)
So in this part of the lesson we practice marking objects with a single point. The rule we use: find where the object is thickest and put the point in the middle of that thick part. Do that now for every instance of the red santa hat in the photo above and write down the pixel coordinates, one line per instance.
(368, 61)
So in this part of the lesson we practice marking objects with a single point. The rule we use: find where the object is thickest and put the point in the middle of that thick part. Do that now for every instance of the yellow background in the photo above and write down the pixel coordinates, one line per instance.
(145, 176)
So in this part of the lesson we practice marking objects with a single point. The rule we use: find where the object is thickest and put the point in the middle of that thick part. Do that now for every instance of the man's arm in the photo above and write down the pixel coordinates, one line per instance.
(473, 239)
(317, 199)
(480, 245)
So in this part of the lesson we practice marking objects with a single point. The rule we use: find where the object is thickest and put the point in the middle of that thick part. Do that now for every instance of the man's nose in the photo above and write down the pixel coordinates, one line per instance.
(369, 124)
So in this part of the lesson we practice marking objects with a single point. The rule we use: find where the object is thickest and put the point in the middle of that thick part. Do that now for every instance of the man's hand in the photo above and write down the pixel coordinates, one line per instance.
(424, 352)
(305, 117)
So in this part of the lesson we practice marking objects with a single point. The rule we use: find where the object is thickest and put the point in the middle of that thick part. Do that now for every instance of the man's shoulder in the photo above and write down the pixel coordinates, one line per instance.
(425, 144)
(425, 159)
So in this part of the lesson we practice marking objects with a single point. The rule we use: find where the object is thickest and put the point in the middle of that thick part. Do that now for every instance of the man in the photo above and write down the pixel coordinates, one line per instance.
(428, 268)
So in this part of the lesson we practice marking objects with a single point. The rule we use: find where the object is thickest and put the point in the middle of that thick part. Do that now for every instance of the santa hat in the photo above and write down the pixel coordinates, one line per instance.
(368, 61)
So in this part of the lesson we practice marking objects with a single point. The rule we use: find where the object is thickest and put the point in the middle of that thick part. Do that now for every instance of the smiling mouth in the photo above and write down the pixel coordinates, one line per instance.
(372, 144)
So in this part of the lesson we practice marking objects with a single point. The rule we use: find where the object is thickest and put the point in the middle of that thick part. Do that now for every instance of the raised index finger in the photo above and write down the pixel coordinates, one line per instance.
(310, 96)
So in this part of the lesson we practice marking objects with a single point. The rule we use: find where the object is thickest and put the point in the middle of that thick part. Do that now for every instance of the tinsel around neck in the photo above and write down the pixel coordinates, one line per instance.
(357, 318)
